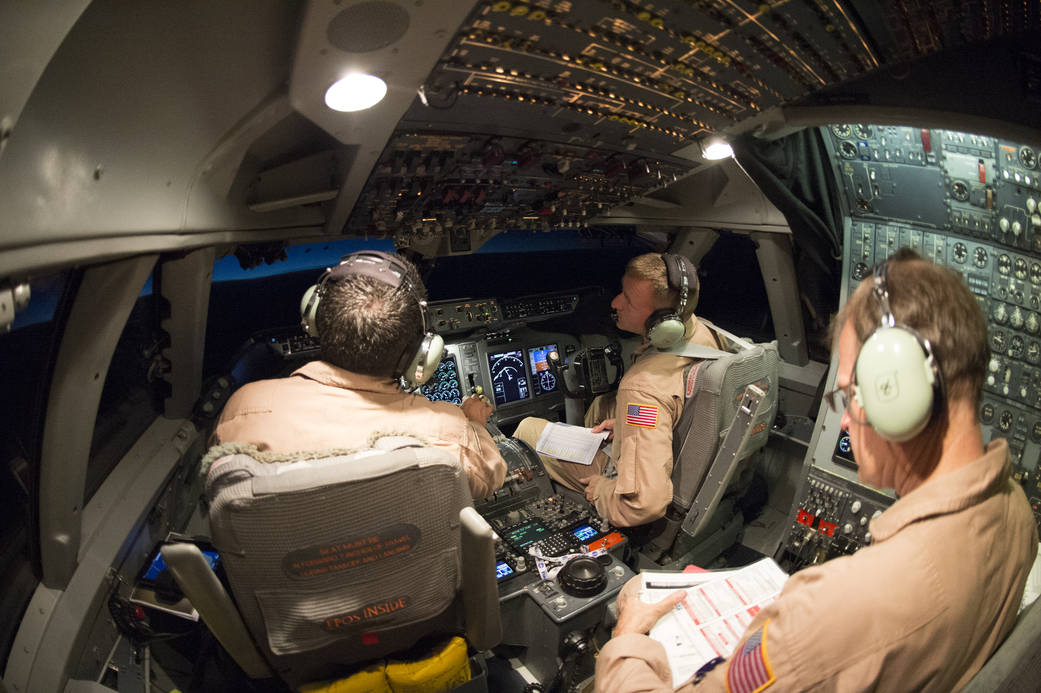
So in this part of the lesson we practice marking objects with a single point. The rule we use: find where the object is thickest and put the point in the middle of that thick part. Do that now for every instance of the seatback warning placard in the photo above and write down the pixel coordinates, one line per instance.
(315, 561)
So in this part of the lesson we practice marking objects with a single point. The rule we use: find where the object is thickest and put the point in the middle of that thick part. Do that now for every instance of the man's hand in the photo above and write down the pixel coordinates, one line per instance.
(477, 408)
(635, 616)
(605, 425)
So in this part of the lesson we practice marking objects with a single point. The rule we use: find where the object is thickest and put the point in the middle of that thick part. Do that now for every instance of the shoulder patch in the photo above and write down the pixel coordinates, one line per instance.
(749, 670)
(692, 378)
(645, 415)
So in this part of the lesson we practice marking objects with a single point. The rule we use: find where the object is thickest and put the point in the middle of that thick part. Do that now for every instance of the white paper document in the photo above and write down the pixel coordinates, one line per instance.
(570, 443)
(718, 608)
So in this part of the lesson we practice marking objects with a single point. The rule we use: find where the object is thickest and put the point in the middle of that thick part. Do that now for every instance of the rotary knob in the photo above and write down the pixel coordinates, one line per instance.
(582, 577)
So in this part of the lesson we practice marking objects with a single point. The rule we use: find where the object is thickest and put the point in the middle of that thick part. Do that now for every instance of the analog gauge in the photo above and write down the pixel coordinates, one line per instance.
(1004, 265)
(864, 132)
(1033, 323)
(961, 253)
(1015, 347)
(1015, 319)
(979, 257)
(1005, 421)
(842, 131)
(987, 412)
(1033, 353)
(998, 342)
(546, 381)
(1027, 157)
(1035, 274)
(848, 150)
(1000, 314)
(960, 191)
(1020, 268)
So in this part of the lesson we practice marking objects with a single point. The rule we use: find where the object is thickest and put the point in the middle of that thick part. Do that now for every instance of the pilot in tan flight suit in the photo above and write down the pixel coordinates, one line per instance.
(925, 605)
(648, 403)
(370, 327)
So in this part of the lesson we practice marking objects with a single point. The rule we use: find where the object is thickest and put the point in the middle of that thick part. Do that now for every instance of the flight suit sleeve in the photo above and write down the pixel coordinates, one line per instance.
(484, 466)
(634, 663)
(643, 443)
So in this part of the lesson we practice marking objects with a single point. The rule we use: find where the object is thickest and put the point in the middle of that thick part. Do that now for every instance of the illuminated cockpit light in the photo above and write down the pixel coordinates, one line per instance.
(355, 93)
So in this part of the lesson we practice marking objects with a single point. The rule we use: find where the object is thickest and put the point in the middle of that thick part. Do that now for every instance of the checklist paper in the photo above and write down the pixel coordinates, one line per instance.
(570, 443)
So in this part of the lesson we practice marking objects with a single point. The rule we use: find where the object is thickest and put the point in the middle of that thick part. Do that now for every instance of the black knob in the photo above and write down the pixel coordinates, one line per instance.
(582, 577)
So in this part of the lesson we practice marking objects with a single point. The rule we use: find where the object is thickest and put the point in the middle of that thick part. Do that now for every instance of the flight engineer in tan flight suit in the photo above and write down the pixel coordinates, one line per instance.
(370, 324)
(926, 604)
(646, 406)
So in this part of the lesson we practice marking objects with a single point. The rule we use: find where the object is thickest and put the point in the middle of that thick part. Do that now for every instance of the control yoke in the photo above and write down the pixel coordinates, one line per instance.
(588, 368)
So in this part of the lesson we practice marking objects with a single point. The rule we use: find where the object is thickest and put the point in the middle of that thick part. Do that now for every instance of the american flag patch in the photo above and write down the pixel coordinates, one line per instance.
(749, 670)
(645, 415)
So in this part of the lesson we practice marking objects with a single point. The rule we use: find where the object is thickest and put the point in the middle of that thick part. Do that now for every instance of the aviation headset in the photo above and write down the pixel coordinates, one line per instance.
(422, 355)
(897, 381)
(666, 327)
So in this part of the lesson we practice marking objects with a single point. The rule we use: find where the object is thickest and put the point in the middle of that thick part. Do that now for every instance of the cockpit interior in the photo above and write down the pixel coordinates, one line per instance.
(174, 177)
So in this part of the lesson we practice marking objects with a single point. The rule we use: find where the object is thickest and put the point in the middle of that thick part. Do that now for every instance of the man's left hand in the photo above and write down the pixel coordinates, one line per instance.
(635, 616)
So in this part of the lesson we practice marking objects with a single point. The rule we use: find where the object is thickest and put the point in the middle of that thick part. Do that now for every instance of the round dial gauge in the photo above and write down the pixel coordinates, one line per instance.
(864, 132)
(960, 191)
(1020, 268)
(848, 150)
(1015, 347)
(546, 381)
(842, 131)
(1035, 273)
(1004, 264)
(979, 257)
(1033, 352)
(1027, 157)
(1005, 421)
(998, 342)
(961, 252)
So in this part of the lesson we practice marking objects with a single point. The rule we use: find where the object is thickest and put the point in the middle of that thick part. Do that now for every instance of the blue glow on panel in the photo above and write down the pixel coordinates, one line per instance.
(316, 256)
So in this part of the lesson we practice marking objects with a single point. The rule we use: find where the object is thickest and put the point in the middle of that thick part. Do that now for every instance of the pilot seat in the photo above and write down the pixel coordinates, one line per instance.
(338, 561)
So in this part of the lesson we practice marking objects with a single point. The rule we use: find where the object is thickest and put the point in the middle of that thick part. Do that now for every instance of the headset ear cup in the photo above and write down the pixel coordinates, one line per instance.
(425, 361)
(895, 383)
(664, 328)
(309, 311)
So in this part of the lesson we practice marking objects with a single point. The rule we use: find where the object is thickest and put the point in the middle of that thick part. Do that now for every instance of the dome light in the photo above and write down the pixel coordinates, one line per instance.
(355, 93)
(716, 148)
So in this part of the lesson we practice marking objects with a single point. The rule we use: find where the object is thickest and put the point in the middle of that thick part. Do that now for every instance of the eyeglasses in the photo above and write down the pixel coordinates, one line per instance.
(839, 400)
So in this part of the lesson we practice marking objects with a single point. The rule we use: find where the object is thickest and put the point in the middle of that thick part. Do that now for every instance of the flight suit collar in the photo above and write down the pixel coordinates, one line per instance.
(328, 374)
(949, 493)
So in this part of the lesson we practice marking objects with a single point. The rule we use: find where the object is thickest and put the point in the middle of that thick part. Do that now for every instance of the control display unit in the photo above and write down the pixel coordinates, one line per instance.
(509, 376)
(542, 381)
(444, 385)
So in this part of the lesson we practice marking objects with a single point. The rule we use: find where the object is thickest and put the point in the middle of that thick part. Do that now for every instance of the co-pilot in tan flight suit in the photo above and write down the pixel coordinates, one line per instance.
(645, 408)
(921, 609)
(321, 407)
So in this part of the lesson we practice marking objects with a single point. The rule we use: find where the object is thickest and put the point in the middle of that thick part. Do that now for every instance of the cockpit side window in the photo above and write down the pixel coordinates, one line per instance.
(27, 354)
(132, 395)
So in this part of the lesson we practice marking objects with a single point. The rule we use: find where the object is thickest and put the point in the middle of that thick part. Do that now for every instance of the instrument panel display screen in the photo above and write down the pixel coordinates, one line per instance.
(542, 380)
(444, 385)
(524, 535)
(844, 451)
(584, 532)
(509, 377)
(502, 569)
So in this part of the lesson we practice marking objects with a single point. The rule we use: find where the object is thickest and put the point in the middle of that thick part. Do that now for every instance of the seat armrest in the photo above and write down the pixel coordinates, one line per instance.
(480, 591)
(206, 593)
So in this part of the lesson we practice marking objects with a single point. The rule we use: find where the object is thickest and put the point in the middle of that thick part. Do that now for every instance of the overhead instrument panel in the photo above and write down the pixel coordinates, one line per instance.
(971, 203)
(548, 114)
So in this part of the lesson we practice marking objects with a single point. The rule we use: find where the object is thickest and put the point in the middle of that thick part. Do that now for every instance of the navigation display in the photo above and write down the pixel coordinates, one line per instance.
(444, 385)
(509, 377)
(542, 381)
